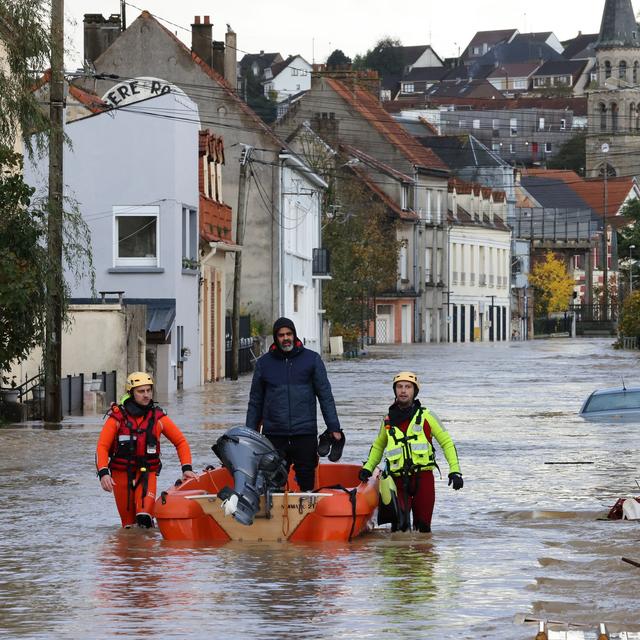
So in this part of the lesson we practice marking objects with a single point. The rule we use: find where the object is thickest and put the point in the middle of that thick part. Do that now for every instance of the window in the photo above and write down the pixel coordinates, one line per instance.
(513, 126)
(614, 116)
(136, 236)
(635, 72)
(512, 147)
(428, 277)
(403, 258)
(495, 147)
(476, 124)
(294, 72)
(603, 116)
(476, 51)
(405, 197)
(408, 87)
(607, 69)
(462, 124)
(547, 147)
(622, 70)
(520, 84)
(563, 124)
(540, 124)
(297, 297)
(189, 238)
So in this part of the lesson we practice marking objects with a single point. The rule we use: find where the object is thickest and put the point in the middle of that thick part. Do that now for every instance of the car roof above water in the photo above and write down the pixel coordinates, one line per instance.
(616, 400)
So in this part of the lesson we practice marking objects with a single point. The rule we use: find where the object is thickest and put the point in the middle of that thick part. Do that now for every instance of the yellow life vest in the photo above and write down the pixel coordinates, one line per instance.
(414, 445)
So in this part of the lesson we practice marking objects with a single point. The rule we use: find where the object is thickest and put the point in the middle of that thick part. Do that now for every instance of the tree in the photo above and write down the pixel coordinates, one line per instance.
(361, 238)
(629, 324)
(337, 59)
(386, 58)
(572, 155)
(23, 267)
(24, 35)
(553, 285)
(261, 104)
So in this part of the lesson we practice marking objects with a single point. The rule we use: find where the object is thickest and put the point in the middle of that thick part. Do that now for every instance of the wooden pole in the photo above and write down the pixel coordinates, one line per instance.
(237, 273)
(55, 288)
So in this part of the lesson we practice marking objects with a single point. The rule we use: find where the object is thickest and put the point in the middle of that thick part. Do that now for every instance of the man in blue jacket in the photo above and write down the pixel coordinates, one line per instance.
(286, 382)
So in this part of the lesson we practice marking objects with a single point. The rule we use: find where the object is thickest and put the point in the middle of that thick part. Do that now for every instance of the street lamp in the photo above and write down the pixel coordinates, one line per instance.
(605, 267)
(631, 247)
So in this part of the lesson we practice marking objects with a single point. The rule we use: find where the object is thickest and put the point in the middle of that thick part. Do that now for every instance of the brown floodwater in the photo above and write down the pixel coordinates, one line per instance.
(523, 538)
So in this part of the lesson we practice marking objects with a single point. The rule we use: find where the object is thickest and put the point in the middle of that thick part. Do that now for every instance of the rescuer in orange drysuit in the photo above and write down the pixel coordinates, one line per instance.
(128, 451)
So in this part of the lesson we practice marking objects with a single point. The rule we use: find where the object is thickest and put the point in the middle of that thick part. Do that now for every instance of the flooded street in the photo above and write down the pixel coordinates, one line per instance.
(522, 537)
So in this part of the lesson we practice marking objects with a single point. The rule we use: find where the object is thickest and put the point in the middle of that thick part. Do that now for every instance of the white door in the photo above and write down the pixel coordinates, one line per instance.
(384, 324)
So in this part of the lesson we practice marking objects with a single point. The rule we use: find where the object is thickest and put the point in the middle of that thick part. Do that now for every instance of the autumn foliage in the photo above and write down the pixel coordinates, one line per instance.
(553, 285)
(629, 324)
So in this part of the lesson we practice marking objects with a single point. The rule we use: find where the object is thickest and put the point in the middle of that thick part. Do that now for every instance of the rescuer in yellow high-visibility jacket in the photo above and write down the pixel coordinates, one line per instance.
(406, 440)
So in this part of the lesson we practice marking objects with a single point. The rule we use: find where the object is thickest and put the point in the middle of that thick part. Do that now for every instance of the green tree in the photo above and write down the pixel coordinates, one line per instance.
(24, 36)
(629, 324)
(337, 59)
(255, 98)
(361, 238)
(553, 285)
(23, 267)
(572, 155)
(386, 58)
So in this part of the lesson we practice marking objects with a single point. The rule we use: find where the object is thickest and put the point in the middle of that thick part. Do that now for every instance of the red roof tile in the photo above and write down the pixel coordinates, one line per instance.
(370, 108)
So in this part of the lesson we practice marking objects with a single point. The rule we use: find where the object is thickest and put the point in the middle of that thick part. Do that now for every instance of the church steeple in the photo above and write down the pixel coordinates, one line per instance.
(619, 28)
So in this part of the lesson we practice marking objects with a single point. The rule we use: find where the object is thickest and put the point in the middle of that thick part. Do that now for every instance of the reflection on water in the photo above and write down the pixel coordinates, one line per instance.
(523, 537)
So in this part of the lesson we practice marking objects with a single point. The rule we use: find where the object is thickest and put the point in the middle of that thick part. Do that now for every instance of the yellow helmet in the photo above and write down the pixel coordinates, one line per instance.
(406, 376)
(137, 379)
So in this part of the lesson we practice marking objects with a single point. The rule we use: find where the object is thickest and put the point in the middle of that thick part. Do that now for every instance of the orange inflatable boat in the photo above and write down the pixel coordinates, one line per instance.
(339, 509)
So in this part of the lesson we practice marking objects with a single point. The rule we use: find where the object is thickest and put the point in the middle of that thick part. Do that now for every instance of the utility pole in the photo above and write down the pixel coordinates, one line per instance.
(240, 227)
(605, 265)
(53, 342)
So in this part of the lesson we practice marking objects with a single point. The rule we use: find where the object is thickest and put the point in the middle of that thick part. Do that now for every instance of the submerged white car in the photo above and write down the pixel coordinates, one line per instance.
(619, 403)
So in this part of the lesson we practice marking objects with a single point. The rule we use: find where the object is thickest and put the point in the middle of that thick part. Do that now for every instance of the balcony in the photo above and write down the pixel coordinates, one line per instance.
(321, 263)
(472, 278)
(463, 277)
(483, 280)
(491, 280)
(454, 279)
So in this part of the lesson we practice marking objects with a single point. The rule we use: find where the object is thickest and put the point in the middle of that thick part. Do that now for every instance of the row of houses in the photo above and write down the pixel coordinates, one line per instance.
(159, 134)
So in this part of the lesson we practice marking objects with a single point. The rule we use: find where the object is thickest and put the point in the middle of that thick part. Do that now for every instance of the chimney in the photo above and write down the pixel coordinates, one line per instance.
(217, 56)
(201, 36)
(99, 34)
(231, 58)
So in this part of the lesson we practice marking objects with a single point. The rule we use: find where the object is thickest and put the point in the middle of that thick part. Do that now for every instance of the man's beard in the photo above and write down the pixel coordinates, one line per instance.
(287, 347)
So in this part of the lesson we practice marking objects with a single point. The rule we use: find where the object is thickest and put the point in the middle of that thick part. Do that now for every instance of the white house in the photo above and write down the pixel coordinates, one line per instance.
(284, 80)
(479, 265)
(302, 266)
(133, 172)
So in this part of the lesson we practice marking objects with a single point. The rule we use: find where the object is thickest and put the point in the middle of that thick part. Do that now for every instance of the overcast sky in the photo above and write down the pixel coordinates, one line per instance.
(315, 29)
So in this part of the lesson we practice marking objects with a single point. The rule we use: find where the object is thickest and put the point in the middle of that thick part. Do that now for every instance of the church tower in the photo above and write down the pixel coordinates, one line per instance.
(613, 107)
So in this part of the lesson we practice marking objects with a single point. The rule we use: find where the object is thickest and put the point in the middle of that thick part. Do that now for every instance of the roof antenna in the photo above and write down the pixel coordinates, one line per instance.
(624, 388)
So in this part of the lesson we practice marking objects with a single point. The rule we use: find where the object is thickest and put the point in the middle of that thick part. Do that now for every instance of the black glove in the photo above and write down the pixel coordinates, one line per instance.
(456, 480)
(324, 443)
(364, 475)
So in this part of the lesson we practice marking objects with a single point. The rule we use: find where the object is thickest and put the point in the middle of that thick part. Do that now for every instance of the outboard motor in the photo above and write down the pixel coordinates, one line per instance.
(257, 469)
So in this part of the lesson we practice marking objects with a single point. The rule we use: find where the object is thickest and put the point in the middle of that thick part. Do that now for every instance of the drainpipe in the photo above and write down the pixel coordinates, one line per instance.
(419, 303)
(280, 222)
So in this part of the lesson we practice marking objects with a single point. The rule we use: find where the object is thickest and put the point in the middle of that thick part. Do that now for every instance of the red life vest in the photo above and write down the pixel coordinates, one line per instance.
(136, 447)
